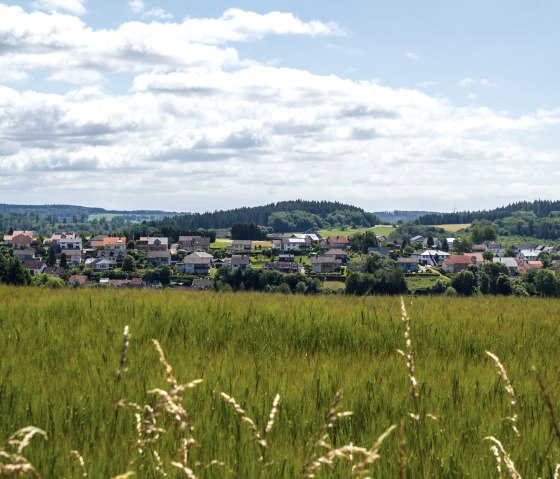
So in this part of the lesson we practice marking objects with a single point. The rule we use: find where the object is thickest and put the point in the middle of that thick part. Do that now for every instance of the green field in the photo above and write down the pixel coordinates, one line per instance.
(423, 281)
(379, 230)
(61, 350)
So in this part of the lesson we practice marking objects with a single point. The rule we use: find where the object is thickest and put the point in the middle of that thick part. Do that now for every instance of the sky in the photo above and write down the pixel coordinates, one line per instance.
(198, 106)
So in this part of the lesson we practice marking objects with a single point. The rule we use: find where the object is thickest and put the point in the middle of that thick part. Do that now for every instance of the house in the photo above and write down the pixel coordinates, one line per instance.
(151, 243)
(158, 258)
(524, 266)
(196, 264)
(408, 265)
(114, 243)
(479, 248)
(194, 243)
(35, 266)
(529, 254)
(55, 271)
(294, 244)
(286, 258)
(21, 241)
(450, 242)
(201, 283)
(223, 234)
(241, 246)
(286, 267)
(97, 241)
(73, 257)
(418, 239)
(511, 264)
(337, 254)
(337, 242)
(56, 237)
(457, 263)
(239, 261)
(478, 257)
(431, 257)
(381, 251)
(494, 247)
(325, 264)
(100, 264)
(78, 280)
(27, 253)
(70, 244)
(8, 239)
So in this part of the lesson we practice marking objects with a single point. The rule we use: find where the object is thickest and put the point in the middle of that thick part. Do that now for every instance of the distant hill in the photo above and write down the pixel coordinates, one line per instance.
(69, 211)
(540, 208)
(284, 216)
(393, 217)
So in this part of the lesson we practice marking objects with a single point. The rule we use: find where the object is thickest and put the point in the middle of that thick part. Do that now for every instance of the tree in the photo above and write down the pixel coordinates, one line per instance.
(51, 256)
(17, 274)
(63, 261)
(445, 245)
(546, 283)
(129, 264)
(503, 285)
(464, 283)
(430, 241)
(488, 255)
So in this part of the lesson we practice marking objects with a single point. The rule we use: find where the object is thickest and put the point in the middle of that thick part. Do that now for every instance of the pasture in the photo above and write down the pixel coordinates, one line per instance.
(61, 351)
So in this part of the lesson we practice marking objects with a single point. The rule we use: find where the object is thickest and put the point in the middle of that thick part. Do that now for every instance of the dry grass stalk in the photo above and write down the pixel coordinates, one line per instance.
(499, 451)
(272, 415)
(509, 389)
(75, 454)
(124, 349)
(349, 452)
(257, 437)
(557, 472)
(410, 355)
(14, 463)
(125, 475)
(550, 408)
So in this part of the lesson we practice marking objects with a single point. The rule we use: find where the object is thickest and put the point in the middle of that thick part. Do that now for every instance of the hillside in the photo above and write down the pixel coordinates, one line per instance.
(537, 219)
(393, 217)
(284, 216)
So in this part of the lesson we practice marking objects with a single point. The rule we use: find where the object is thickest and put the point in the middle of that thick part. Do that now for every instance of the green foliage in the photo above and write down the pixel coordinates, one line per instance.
(546, 283)
(360, 242)
(47, 281)
(383, 276)
(265, 280)
(247, 231)
(464, 283)
(63, 261)
(129, 264)
(16, 274)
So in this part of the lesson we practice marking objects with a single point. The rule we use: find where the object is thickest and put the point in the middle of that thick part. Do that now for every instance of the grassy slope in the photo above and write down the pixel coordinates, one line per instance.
(60, 351)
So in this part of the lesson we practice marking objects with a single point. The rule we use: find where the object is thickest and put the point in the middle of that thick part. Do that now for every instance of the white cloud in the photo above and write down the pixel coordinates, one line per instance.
(414, 57)
(157, 13)
(71, 6)
(465, 81)
(200, 126)
(68, 47)
(136, 6)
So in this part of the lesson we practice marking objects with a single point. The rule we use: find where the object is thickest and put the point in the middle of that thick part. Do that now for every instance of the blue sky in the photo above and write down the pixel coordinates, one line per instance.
(211, 105)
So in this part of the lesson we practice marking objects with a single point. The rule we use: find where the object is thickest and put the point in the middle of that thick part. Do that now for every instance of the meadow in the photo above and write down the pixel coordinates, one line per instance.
(61, 351)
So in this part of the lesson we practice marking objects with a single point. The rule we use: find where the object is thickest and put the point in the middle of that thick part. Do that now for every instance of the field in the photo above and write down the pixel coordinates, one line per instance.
(378, 230)
(453, 228)
(61, 352)
(419, 281)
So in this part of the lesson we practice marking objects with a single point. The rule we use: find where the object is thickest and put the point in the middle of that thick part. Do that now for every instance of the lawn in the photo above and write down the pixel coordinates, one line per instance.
(454, 228)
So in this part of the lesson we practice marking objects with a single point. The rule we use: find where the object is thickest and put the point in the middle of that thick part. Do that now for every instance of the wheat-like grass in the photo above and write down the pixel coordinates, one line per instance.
(557, 472)
(509, 389)
(75, 454)
(549, 407)
(124, 350)
(410, 357)
(498, 452)
(272, 415)
(14, 463)
(257, 437)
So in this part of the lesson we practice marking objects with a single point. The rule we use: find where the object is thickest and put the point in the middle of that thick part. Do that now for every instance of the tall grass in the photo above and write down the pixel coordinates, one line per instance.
(61, 352)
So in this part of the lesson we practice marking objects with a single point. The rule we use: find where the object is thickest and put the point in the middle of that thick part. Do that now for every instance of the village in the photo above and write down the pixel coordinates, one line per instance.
(192, 261)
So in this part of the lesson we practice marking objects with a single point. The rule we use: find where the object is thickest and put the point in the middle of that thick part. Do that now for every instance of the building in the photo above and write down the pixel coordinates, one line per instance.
(511, 264)
(241, 246)
(194, 243)
(240, 261)
(325, 264)
(337, 254)
(151, 243)
(158, 258)
(35, 266)
(67, 243)
(196, 264)
(408, 265)
(431, 257)
(456, 263)
(337, 242)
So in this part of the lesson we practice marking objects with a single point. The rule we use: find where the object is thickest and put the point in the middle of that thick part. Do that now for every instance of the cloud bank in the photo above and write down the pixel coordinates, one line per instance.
(200, 127)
